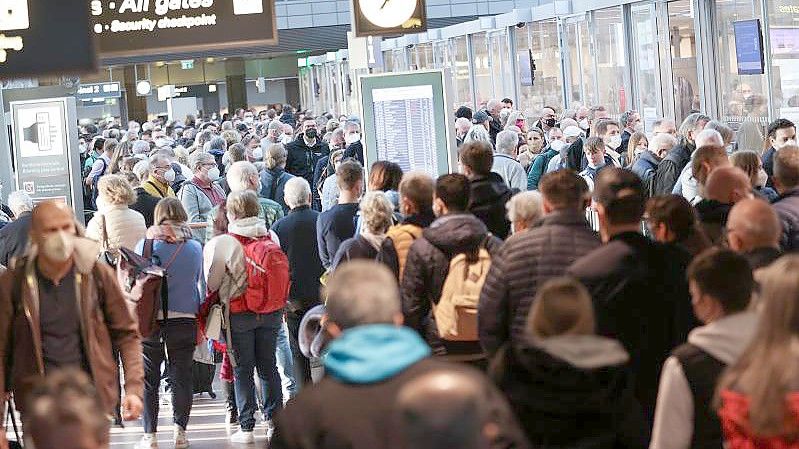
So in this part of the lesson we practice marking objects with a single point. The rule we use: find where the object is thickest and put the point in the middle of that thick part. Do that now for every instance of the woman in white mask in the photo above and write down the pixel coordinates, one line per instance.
(200, 194)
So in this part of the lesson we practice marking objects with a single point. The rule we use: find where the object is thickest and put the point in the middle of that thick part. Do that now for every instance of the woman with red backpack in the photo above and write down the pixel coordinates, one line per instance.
(250, 274)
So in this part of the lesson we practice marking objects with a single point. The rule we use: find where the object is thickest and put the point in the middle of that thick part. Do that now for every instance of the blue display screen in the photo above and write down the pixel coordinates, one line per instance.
(749, 47)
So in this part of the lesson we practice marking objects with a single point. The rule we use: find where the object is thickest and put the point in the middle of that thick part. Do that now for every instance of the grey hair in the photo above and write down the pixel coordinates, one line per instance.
(217, 143)
(709, 137)
(337, 133)
(377, 212)
(658, 139)
(349, 126)
(690, 123)
(526, 207)
(199, 158)
(141, 169)
(492, 104)
(463, 123)
(507, 142)
(20, 202)
(727, 134)
(204, 137)
(158, 158)
(276, 156)
(297, 192)
(362, 292)
(477, 133)
(239, 175)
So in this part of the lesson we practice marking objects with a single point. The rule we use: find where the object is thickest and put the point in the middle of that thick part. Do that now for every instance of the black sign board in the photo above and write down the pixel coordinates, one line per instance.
(45, 37)
(388, 17)
(125, 28)
(97, 93)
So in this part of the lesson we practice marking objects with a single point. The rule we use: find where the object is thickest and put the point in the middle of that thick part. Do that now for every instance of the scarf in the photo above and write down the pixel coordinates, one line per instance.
(170, 232)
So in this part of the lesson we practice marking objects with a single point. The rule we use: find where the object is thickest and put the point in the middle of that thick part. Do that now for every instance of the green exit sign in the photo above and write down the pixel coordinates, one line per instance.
(187, 65)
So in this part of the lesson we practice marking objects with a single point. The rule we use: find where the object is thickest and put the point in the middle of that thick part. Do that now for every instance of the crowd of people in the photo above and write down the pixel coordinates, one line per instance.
(578, 283)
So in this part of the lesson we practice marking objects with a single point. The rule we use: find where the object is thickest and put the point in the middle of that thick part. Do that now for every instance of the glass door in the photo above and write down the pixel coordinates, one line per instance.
(578, 63)
(501, 72)
(646, 72)
(678, 22)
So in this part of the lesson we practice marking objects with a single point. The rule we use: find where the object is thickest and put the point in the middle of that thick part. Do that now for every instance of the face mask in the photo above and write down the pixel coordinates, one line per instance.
(58, 246)
(248, 119)
(258, 154)
(557, 145)
(214, 174)
(352, 138)
(762, 178)
(286, 139)
(311, 133)
(584, 124)
(550, 122)
(169, 176)
(614, 142)
(520, 124)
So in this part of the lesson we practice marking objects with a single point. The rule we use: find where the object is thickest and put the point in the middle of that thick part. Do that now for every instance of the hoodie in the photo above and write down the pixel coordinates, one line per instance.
(487, 202)
(725, 340)
(426, 269)
(352, 357)
(572, 391)
(713, 216)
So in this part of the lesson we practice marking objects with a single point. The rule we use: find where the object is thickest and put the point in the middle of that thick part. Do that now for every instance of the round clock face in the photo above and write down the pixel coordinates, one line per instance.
(388, 13)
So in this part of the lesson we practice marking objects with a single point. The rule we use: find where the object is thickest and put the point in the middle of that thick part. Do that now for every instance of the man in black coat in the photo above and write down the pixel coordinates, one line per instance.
(638, 286)
(304, 153)
(352, 140)
(489, 192)
(671, 167)
(530, 258)
(370, 360)
(297, 234)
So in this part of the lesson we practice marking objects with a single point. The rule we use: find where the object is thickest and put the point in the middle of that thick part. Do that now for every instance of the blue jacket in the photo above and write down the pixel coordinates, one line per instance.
(646, 166)
(185, 273)
(275, 178)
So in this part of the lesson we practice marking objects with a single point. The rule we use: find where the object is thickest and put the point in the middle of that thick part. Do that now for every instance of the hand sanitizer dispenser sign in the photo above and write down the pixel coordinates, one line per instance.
(244, 7)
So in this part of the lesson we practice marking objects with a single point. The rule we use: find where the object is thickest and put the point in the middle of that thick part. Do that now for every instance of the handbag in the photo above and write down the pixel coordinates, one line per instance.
(106, 255)
(215, 323)
(10, 413)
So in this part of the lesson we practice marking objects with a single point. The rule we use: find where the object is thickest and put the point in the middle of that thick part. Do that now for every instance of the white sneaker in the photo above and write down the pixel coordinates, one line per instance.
(270, 429)
(242, 437)
(148, 441)
(181, 441)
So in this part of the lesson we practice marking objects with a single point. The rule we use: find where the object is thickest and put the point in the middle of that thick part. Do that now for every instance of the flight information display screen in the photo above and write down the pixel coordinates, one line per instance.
(153, 27)
(404, 119)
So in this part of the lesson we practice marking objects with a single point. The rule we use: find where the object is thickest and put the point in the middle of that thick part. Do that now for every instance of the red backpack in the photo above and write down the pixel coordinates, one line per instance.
(268, 278)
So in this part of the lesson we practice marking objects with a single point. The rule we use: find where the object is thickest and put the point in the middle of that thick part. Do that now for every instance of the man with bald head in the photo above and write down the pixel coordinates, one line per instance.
(754, 231)
(60, 308)
(725, 187)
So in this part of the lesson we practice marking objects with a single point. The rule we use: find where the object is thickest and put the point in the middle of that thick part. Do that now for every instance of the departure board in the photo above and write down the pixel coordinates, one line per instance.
(406, 121)
(405, 127)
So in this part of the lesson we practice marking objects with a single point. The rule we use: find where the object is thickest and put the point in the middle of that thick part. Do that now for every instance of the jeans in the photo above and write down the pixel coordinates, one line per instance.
(285, 361)
(254, 346)
(175, 343)
(302, 366)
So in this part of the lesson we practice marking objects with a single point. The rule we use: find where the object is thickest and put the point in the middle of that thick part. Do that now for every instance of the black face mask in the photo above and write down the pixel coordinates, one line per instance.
(310, 133)
(550, 122)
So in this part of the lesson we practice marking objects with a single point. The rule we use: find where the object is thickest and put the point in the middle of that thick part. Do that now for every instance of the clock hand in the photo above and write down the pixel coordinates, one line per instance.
(384, 4)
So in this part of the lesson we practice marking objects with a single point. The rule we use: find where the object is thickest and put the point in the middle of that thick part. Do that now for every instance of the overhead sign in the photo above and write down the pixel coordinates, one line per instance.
(388, 17)
(33, 34)
(98, 93)
(126, 28)
(749, 47)
(45, 150)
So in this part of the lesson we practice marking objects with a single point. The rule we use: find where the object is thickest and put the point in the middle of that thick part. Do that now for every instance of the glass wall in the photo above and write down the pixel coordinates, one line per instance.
(388, 61)
(646, 70)
(744, 98)
(482, 69)
(609, 50)
(685, 81)
(547, 90)
(425, 55)
(579, 63)
(501, 67)
(784, 36)
(441, 54)
(461, 72)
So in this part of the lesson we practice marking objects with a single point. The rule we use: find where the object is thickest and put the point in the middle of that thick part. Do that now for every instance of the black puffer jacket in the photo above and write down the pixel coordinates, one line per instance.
(787, 208)
(671, 167)
(426, 270)
(301, 159)
(487, 202)
(572, 392)
(525, 262)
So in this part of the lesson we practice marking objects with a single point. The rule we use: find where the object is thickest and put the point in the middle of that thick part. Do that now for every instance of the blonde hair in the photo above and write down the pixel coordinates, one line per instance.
(749, 162)
(243, 204)
(116, 190)
(170, 209)
(377, 212)
(562, 307)
(768, 370)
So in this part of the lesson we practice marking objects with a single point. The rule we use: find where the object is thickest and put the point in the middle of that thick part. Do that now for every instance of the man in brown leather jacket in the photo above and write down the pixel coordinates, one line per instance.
(60, 308)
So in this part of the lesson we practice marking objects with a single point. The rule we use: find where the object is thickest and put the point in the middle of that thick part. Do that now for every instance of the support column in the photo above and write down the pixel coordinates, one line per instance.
(236, 87)
(136, 105)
